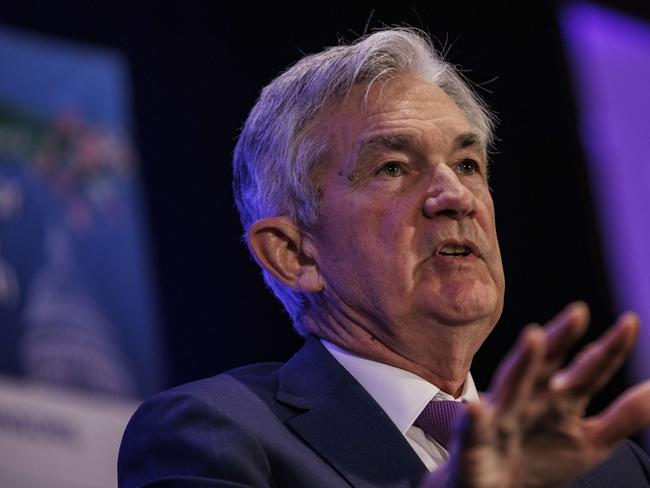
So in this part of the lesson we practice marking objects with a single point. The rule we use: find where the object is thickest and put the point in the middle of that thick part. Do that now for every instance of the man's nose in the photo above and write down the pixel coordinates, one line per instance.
(448, 196)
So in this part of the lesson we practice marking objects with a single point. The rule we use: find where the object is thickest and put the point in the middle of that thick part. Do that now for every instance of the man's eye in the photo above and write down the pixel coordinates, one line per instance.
(467, 167)
(391, 169)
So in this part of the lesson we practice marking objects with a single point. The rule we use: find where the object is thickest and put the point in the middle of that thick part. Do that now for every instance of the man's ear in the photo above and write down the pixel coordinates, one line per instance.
(279, 246)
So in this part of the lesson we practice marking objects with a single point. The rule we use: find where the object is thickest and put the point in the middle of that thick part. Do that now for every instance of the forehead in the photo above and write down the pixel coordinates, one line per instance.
(405, 105)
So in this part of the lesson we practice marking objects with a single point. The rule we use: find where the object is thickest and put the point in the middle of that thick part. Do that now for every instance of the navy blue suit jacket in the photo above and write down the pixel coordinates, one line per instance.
(306, 423)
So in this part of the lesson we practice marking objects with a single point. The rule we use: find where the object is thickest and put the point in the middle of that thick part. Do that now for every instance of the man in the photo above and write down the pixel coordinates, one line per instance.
(361, 180)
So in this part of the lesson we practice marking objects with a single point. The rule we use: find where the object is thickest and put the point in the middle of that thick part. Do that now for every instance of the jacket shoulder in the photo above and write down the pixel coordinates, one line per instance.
(204, 430)
(260, 379)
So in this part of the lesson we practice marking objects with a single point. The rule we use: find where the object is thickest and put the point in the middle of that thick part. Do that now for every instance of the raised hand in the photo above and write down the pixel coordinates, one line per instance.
(530, 430)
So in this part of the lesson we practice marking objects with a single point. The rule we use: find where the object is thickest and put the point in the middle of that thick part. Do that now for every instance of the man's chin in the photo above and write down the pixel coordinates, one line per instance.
(465, 309)
(464, 319)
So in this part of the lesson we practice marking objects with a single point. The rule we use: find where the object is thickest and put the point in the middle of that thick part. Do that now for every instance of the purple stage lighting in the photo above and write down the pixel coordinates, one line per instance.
(609, 55)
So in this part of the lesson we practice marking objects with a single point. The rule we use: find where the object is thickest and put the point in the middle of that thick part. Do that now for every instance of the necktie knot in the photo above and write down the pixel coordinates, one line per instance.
(439, 418)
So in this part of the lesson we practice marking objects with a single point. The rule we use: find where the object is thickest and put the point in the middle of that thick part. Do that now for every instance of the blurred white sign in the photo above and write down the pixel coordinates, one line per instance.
(58, 438)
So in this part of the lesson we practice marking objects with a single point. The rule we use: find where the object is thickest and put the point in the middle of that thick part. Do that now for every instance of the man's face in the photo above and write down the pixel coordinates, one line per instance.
(406, 238)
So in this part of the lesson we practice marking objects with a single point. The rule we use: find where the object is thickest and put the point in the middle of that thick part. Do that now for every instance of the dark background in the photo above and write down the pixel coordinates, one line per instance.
(197, 68)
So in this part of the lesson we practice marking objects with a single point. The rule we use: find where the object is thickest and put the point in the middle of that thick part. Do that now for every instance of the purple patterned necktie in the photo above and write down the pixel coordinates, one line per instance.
(438, 419)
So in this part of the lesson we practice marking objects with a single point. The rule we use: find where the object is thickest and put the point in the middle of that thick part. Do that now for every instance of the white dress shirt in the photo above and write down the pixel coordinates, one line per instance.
(403, 396)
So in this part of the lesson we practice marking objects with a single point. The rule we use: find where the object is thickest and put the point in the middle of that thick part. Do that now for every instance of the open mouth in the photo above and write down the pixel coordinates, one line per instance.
(454, 250)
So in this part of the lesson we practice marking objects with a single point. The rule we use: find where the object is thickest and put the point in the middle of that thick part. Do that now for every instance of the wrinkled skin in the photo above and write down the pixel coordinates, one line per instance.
(402, 177)
(404, 190)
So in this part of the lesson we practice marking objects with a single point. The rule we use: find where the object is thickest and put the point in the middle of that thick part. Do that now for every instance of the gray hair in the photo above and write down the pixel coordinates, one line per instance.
(275, 155)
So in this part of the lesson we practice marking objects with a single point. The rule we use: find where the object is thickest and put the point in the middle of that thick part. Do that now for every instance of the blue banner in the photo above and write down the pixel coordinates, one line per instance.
(76, 301)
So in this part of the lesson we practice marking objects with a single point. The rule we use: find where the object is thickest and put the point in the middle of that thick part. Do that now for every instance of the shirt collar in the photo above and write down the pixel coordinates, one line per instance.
(401, 394)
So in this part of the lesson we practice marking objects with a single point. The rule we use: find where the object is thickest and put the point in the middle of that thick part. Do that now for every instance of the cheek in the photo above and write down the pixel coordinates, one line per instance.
(341, 237)
(495, 263)
(487, 222)
(499, 272)
(373, 240)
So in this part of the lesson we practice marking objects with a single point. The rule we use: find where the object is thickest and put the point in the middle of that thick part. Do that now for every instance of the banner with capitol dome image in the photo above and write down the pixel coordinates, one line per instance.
(78, 339)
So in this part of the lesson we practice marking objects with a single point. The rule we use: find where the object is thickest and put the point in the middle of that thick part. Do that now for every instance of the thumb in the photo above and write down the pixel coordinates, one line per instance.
(474, 428)
(473, 435)
(471, 461)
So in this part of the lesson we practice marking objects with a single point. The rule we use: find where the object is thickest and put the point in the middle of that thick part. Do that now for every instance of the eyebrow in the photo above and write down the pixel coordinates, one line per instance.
(467, 139)
(378, 144)
(397, 142)
(400, 142)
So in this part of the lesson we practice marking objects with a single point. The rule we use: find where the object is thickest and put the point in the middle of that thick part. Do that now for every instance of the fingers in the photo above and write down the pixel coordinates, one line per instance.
(564, 330)
(626, 416)
(523, 367)
(596, 364)
(519, 372)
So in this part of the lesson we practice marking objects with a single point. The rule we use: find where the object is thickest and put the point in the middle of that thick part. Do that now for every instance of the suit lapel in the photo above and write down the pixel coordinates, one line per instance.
(343, 423)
